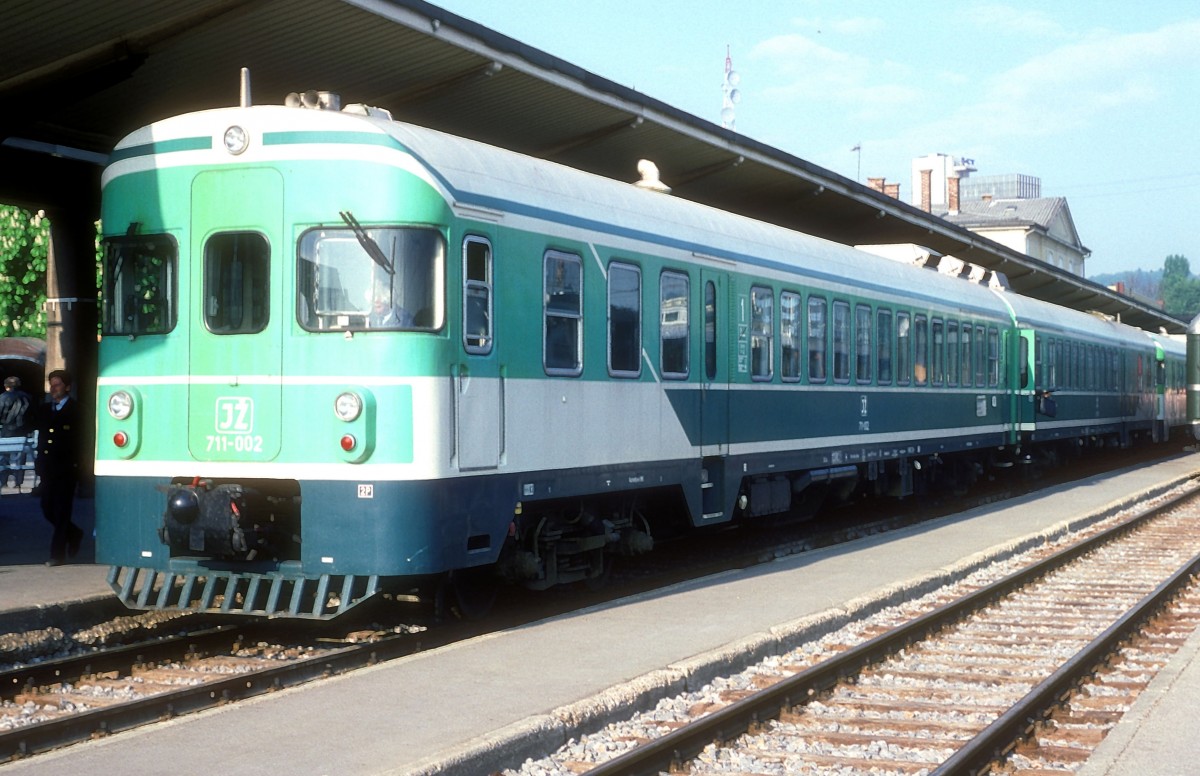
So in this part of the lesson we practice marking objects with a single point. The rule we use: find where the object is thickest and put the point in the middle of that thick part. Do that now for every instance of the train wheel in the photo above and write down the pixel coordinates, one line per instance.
(467, 594)
(600, 580)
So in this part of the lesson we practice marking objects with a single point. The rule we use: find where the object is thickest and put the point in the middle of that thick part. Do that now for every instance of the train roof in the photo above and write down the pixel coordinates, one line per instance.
(1053, 318)
(482, 176)
(560, 200)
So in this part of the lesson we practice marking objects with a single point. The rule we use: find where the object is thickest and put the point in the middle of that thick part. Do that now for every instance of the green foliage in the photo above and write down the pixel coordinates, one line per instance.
(24, 248)
(1180, 291)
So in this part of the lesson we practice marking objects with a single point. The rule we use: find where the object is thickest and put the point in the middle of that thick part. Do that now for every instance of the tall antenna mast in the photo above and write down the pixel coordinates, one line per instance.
(730, 94)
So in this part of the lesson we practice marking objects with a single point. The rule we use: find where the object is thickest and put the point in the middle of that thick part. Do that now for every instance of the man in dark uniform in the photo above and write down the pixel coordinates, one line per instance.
(58, 465)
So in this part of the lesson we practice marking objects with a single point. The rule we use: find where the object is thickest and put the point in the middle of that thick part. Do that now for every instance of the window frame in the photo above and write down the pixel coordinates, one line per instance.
(483, 342)
(764, 335)
(842, 335)
(953, 353)
(920, 349)
(114, 302)
(904, 347)
(818, 333)
(673, 374)
(979, 343)
(993, 357)
(937, 335)
(863, 335)
(884, 337)
(615, 268)
(795, 373)
(312, 312)
(258, 284)
(559, 315)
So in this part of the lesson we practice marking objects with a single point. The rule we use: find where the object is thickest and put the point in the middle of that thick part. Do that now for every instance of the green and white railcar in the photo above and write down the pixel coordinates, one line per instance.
(343, 354)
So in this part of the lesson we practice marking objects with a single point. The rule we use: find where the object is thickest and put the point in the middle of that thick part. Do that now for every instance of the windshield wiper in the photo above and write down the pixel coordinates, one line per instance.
(367, 242)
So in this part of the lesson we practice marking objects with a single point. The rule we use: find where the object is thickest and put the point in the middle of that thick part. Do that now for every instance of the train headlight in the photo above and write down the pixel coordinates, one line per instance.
(120, 405)
(236, 140)
(348, 406)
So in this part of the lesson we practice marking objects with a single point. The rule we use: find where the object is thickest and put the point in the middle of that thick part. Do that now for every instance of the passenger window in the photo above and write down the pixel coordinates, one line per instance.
(1023, 363)
(1051, 363)
(762, 329)
(981, 372)
(883, 337)
(967, 364)
(816, 339)
(477, 295)
(674, 328)
(789, 336)
(841, 341)
(951, 352)
(563, 297)
(236, 283)
(921, 346)
(903, 348)
(862, 343)
(624, 320)
(993, 357)
(710, 330)
(939, 364)
(1039, 360)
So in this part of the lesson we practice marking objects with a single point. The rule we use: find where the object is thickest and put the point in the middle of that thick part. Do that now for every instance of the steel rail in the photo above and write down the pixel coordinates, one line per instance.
(120, 658)
(685, 743)
(998, 739)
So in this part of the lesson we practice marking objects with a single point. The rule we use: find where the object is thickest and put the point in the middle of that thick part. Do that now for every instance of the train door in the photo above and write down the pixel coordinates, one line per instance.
(714, 394)
(1024, 389)
(235, 318)
(478, 380)
(1160, 430)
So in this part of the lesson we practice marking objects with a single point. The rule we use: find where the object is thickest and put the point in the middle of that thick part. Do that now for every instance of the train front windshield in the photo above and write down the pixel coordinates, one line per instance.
(139, 285)
(360, 279)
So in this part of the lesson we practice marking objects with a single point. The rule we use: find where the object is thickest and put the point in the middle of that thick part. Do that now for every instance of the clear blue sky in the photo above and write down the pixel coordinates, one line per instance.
(1101, 100)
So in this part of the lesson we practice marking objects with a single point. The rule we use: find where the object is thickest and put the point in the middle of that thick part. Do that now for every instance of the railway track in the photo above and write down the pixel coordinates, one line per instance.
(1024, 672)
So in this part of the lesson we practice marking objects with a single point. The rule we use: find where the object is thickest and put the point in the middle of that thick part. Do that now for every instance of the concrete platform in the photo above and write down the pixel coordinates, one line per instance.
(30, 593)
(485, 704)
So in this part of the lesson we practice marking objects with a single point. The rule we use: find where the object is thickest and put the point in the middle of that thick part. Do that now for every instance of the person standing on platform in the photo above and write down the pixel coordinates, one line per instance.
(58, 466)
(14, 409)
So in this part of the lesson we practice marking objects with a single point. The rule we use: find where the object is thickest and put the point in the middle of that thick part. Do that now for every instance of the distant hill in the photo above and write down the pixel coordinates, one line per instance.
(1140, 281)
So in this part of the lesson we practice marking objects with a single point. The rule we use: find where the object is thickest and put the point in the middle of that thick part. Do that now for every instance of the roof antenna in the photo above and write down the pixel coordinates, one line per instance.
(245, 93)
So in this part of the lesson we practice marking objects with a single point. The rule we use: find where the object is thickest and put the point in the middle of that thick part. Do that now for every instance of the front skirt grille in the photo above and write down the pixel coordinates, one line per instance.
(229, 592)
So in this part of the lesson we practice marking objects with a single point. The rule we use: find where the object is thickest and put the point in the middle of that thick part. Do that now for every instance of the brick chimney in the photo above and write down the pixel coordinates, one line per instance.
(952, 194)
(926, 194)
(876, 184)
(892, 190)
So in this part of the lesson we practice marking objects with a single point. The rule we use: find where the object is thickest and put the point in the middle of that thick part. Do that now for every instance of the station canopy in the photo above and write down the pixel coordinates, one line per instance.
(76, 77)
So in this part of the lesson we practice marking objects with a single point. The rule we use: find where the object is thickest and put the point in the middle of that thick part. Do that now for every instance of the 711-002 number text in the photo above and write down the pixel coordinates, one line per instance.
(237, 443)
